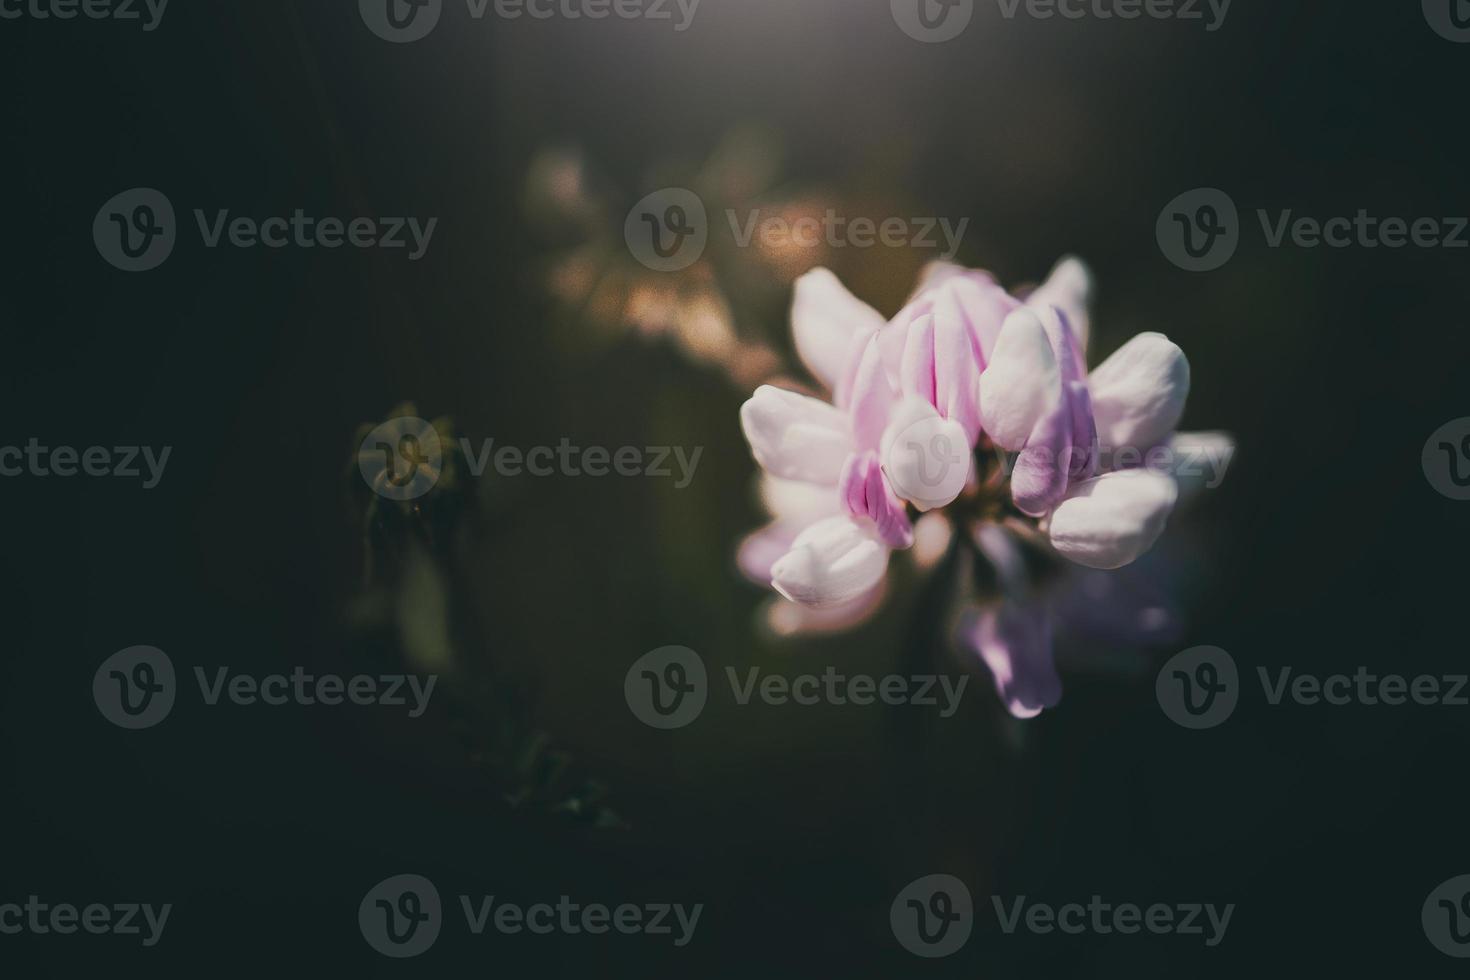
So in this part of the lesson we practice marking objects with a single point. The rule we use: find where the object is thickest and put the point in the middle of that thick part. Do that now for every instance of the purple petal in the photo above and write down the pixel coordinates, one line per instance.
(1039, 479)
(1015, 642)
(867, 496)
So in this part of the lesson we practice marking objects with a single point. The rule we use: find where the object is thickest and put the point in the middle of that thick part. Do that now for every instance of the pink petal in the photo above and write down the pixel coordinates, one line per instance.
(828, 324)
(941, 365)
(918, 368)
(873, 397)
(759, 551)
(981, 304)
(868, 497)
(1069, 288)
(1039, 479)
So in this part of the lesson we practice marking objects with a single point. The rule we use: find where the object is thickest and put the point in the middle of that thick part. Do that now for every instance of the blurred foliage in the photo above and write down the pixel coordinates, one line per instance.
(412, 590)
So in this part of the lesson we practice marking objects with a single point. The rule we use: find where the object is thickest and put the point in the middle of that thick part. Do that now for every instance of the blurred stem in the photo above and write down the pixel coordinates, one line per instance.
(929, 639)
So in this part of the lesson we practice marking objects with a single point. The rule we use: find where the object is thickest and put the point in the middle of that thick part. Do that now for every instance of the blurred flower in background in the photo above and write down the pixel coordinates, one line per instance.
(727, 309)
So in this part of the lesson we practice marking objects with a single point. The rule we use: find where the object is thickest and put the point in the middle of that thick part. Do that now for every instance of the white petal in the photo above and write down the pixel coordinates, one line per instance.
(1021, 382)
(796, 437)
(797, 501)
(937, 273)
(1138, 394)
(826, 321)
(1068, 288)
(1108, 521)
(833, 561)
(926, 458)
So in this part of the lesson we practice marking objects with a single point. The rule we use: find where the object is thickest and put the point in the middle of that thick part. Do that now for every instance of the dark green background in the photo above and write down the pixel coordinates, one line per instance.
(1326, 548)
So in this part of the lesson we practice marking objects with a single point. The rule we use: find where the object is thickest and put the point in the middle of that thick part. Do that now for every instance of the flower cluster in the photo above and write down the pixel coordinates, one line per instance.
(972, 413)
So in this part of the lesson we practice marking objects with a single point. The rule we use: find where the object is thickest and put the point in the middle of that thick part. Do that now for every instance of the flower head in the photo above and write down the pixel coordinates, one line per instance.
(978, 406)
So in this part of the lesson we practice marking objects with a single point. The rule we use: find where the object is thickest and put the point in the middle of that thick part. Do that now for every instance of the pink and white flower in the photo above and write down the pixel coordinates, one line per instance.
(917, 407)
